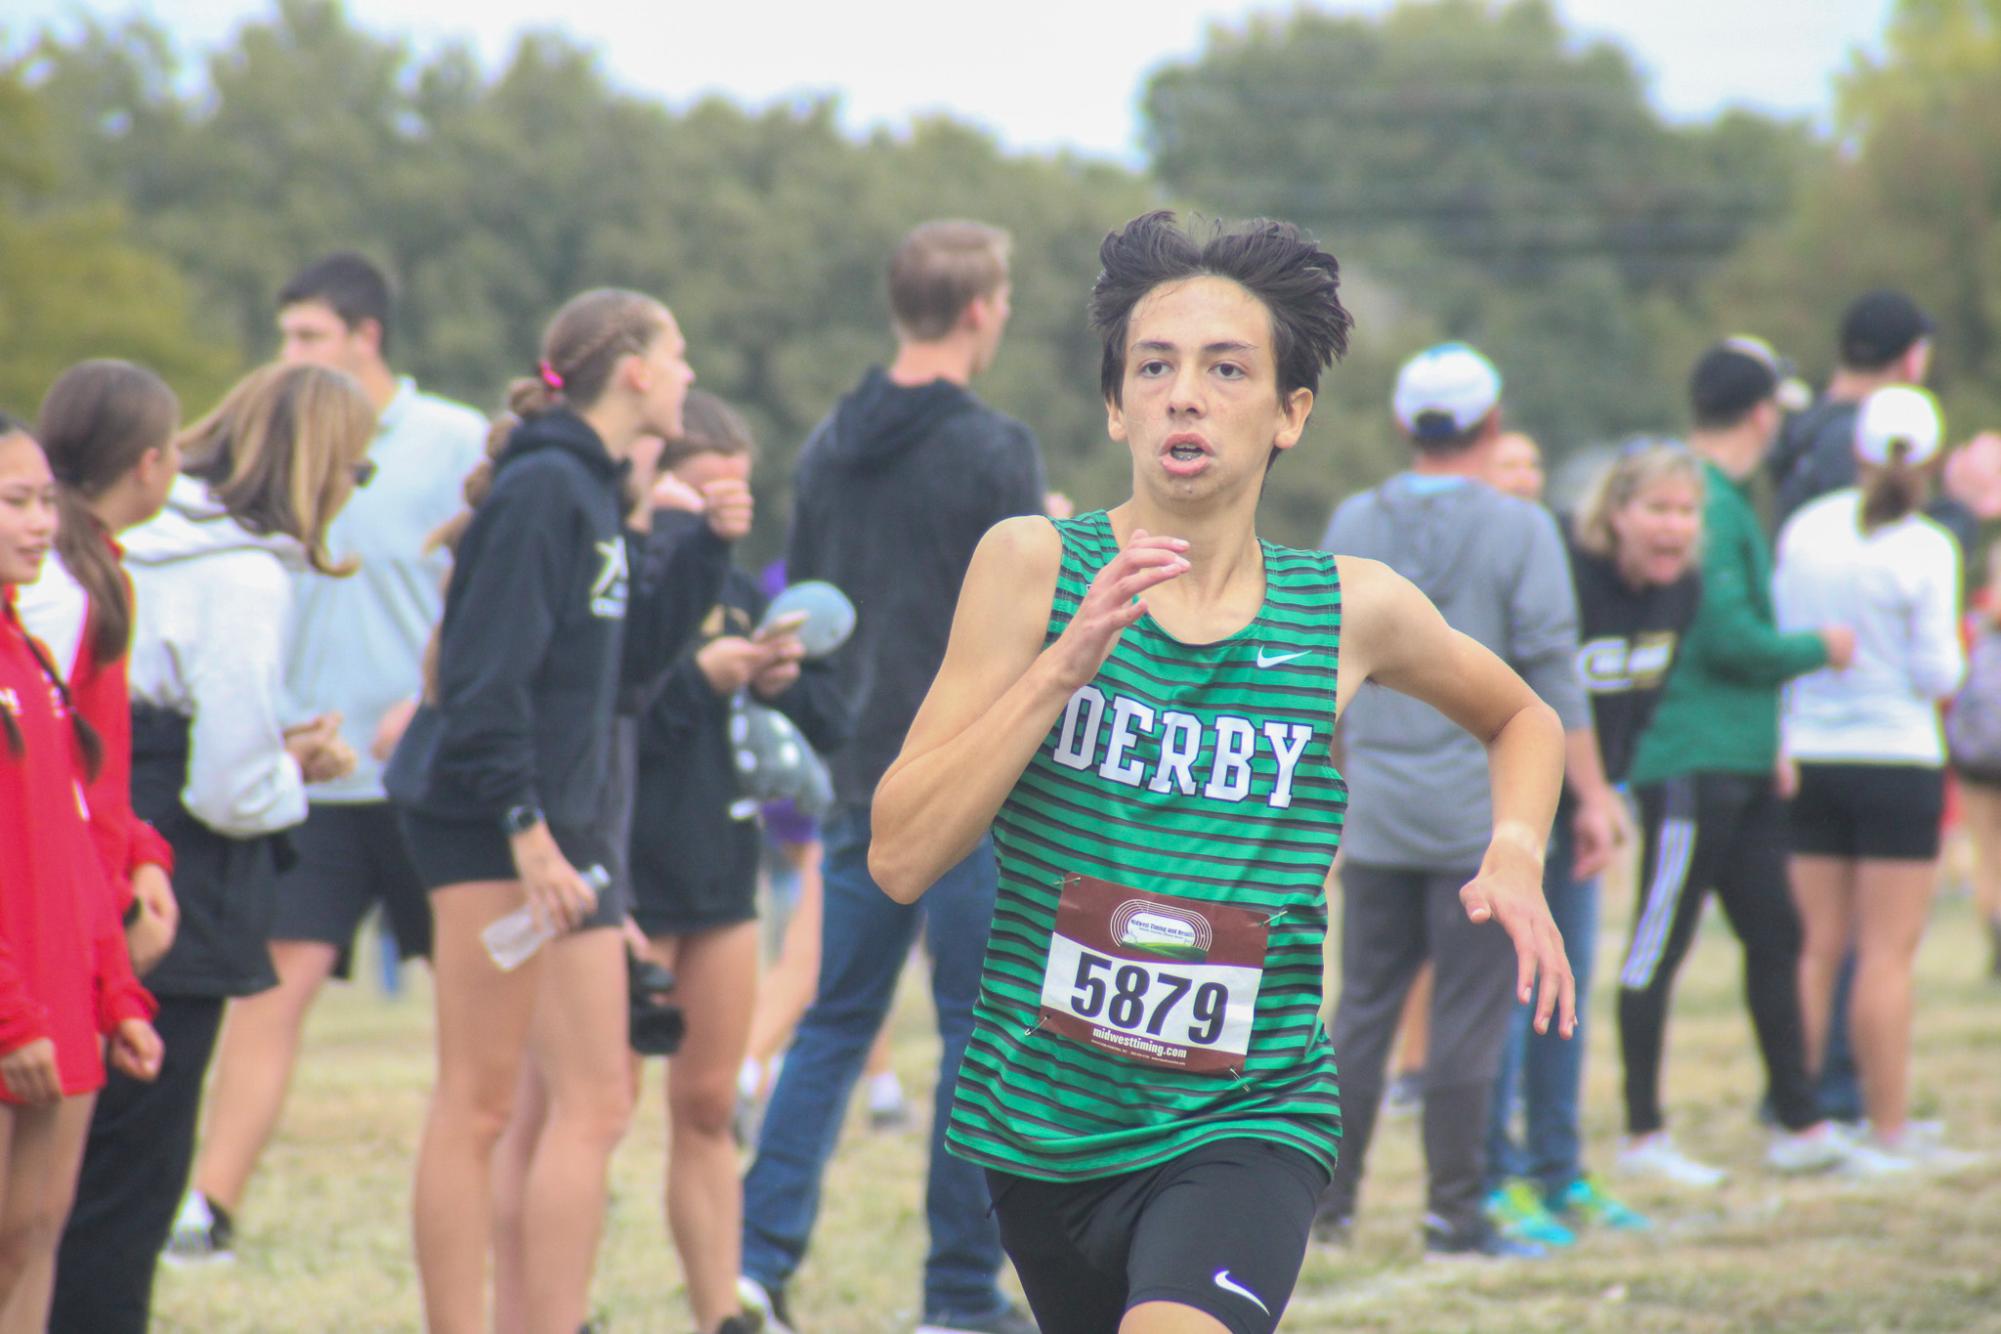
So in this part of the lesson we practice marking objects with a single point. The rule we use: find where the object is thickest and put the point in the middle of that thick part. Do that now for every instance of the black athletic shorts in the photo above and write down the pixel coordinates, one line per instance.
(457, 852)
(350, 858)
(1222, 1229)
(1888, 811)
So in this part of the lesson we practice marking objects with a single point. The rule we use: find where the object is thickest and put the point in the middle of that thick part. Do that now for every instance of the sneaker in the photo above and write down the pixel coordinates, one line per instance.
(1818, 1148)
(745, 1322)
(203, 1233)
(1868, 1159)
(1656, 1156)
(768, 1304)
(1923, 1145)
(1009, 1319)
(1484, 1242)
(1405, 1095)
(1586, 1201)
(1334, 1229)
(888, 1109)
(1516, 1210)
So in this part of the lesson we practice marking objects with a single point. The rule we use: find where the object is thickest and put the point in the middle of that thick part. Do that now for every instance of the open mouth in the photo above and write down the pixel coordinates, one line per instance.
(1184, 453)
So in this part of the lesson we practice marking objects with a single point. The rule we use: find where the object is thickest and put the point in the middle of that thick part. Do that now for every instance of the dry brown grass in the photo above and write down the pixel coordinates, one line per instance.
(325, 1238)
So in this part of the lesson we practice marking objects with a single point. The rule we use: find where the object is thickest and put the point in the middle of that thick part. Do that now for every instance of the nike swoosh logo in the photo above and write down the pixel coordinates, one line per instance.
(1274, 659)
(1227, 1284)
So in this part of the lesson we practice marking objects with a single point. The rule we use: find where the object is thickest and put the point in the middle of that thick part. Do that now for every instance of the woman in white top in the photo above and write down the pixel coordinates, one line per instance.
(1867, 741)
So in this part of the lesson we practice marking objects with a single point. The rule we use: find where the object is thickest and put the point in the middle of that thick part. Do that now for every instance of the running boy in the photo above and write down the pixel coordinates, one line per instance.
(1145, 721)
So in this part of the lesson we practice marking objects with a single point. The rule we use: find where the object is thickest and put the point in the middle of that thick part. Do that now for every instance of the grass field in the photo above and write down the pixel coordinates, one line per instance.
(325, 1236)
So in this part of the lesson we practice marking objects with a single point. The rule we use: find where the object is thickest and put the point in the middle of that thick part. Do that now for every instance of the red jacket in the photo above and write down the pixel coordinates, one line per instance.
(125, 841)
(64, 970)
(98, 692)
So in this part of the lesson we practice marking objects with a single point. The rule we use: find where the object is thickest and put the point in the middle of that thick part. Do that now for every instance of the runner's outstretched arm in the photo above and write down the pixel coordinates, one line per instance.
(998, 693)
(1394, 637)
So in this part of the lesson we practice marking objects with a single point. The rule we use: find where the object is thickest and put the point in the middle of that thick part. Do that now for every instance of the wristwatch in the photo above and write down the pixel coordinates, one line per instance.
(520, 819)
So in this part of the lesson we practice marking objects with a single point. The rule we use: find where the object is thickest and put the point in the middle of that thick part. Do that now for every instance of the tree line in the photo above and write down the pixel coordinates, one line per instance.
(1481, 173)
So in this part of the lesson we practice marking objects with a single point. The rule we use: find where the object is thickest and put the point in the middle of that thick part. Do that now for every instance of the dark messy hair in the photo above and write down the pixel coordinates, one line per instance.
(351, 285)
(1298, 282)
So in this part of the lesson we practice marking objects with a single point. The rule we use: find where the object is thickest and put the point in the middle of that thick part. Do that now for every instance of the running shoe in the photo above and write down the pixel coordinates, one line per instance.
(1818, 1148)
(1334, 1229)
(1009, 1319)
(1586, 1201)
(1868, 1159)
(766, 1303)
(1405, 1095)
(1516, 1210)
(747, 1322)
(1922, 1143)
(1484, 1242)
(1656, 1156)
(203, 1233)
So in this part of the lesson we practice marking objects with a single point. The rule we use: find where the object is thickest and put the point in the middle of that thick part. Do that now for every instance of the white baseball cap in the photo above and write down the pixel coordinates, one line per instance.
(1898, 414)
(1444, 391)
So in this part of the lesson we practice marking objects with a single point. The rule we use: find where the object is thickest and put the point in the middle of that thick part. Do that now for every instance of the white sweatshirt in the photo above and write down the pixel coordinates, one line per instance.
(1898, 589)
(212, 604)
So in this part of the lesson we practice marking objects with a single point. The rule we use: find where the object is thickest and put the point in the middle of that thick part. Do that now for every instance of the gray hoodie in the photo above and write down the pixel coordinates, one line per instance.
(211, 611)
(1495, 567)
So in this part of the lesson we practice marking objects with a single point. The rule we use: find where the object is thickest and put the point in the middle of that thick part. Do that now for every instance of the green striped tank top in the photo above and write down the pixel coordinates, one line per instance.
(1153, 978)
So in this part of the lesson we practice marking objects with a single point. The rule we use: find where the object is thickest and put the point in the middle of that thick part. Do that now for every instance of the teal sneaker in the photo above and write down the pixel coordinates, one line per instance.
(1517, 1213)
(1585, 1201)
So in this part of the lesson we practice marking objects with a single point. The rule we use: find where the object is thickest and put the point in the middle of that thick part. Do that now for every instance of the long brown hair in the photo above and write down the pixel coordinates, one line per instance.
(280, 452)
(1892, 490)
(97, 421)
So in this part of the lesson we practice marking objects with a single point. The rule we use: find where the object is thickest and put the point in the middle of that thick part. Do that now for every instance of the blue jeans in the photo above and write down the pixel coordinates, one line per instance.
(864, 938)
(1549, 1068)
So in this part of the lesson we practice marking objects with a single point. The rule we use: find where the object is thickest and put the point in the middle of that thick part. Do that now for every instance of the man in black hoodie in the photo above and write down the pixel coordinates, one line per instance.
(893, 491)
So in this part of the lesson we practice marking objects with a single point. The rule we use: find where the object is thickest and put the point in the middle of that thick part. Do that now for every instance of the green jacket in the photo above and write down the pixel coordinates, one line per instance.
(1720, 710)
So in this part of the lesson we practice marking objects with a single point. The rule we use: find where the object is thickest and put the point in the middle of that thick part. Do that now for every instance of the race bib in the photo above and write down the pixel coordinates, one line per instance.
(1153, 978)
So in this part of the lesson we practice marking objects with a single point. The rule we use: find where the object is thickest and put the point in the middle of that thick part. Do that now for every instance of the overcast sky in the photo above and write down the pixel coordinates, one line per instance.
(1039, 73)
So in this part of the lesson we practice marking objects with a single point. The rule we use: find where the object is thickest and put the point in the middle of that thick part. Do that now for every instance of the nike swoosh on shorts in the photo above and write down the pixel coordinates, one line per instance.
(1228, 1284)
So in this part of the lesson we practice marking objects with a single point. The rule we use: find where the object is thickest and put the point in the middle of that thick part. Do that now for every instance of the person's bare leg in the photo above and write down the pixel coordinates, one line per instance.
(788, 985)
(43, 1212)
(1893, 900)
(1170, 1318)
(511, 1158)
(1823, 892)
(254, 1061)
(1414, 1028)
(1980, 815)
(482, 1032)
(715, 983)
(579, 1037)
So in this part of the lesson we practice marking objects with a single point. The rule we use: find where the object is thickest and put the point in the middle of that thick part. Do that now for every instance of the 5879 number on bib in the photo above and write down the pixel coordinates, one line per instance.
(1154, 978)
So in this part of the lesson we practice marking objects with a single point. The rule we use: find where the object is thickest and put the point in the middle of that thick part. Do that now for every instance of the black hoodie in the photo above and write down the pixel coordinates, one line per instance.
(892, 493)
(533, 647)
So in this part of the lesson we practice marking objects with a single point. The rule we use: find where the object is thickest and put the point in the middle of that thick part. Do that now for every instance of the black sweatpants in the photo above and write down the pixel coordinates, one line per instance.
(1392, 920)
(135, 1166)
(1727, 832)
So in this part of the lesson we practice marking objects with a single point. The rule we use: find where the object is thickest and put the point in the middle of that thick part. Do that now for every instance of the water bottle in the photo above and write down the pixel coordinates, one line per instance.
(512, 940)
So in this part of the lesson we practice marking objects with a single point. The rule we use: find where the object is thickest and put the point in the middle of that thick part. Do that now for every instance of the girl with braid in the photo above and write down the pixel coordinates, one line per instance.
(500, 782)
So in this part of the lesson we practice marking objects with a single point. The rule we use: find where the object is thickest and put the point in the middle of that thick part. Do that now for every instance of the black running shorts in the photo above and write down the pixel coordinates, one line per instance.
(1888, 811)
(351, 857)
(1222, 1229)
(457, 852)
